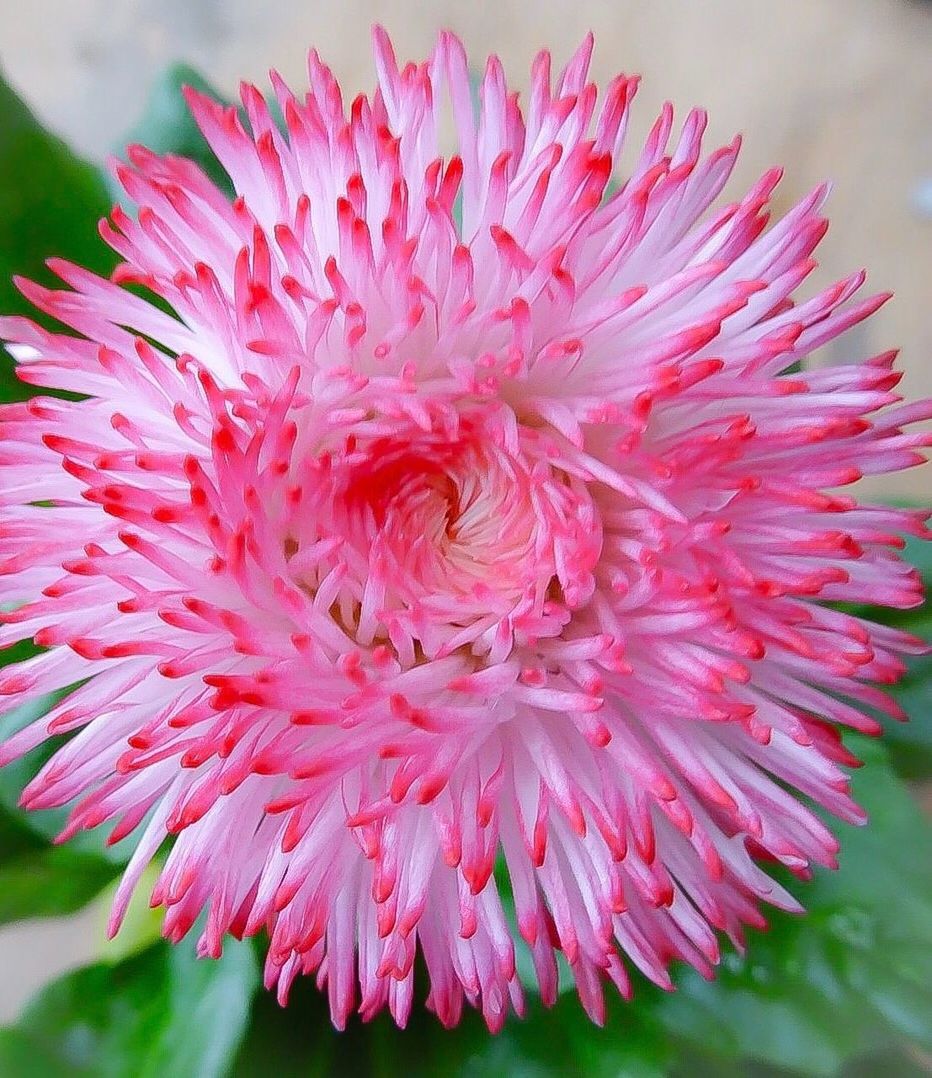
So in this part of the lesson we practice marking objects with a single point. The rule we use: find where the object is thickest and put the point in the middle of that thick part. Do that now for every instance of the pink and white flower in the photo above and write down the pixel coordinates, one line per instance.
(452, 510)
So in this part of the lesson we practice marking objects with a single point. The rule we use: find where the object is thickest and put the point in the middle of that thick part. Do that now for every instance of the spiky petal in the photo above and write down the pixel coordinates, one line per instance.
(451, 511)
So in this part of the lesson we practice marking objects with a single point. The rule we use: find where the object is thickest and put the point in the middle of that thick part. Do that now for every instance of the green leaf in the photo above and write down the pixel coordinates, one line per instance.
(168, 127)
(21, 1055)
(142, 923)
(36, 878)
(817, 990)
(15, 837)
(161, 1014)
(50, 883)
(46, 824)
(299, 1041)
(50, 202)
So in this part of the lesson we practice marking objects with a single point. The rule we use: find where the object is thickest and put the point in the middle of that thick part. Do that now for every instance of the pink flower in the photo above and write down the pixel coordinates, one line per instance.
(460, 512)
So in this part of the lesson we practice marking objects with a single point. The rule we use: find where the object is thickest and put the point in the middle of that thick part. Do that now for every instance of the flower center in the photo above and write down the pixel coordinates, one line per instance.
(441, 543)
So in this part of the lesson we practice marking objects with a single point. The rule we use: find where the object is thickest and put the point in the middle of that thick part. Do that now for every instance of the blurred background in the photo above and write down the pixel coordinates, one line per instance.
(838, 89)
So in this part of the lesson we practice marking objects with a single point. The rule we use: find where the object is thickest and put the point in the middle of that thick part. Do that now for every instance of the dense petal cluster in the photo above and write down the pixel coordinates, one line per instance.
(442, 556)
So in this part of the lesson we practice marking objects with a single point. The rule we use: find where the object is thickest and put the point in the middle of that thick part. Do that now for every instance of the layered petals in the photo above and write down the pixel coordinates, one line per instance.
(446, 556)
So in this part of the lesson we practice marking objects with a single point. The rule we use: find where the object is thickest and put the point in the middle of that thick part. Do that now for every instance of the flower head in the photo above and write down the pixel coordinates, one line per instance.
(446, 508)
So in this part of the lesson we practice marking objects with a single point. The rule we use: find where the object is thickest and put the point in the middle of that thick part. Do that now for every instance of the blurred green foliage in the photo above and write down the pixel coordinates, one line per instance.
(161, 1013)
(841, 991)
(50, 203)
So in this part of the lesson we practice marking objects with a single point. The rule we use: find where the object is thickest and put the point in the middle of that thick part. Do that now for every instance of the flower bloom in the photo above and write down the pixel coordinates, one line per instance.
(446, 560)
